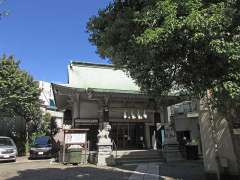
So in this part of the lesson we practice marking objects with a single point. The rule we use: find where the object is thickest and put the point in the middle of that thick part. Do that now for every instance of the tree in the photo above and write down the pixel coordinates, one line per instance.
(46, 127)
(191, 46)
(19, 94)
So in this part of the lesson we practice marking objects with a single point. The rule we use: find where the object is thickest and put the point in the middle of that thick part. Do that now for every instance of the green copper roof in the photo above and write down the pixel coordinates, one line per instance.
(100, 76)
(79, 63)
(115, 91)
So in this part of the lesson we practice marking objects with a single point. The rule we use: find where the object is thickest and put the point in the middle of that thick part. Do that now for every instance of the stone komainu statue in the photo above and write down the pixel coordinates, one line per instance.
(103, 135)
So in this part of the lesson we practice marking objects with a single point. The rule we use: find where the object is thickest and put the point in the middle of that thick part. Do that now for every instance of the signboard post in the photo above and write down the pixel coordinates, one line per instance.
(74, 137)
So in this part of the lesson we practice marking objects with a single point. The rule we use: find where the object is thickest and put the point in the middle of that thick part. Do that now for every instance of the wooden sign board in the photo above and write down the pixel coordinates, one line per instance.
(75, 138)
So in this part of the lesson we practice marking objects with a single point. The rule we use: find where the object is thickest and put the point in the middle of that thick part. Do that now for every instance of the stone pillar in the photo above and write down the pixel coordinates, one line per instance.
(221, 159)
(104, 156)
(171, 150)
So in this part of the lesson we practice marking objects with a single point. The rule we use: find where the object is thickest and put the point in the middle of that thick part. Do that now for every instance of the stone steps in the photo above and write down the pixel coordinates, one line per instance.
(138, 156)
(137, 152)
(138, 160)
(171, 152)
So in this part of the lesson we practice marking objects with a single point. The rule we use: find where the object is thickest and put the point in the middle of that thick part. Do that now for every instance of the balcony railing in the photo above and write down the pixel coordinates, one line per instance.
(189, 109)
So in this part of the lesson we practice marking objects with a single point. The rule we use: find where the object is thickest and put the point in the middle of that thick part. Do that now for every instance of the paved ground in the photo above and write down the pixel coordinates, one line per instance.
(43, 170)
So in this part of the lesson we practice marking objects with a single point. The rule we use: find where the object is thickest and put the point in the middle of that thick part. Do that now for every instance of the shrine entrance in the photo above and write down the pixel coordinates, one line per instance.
(128, 135)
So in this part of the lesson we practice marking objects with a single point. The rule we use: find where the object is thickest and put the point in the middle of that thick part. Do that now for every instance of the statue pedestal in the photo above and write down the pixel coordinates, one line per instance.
(171, 140)
(171, 149)
(104, 156)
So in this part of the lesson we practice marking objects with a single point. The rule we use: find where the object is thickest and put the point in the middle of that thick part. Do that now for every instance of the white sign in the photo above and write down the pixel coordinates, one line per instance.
(72, 138)
(192, 114)
(236, 131)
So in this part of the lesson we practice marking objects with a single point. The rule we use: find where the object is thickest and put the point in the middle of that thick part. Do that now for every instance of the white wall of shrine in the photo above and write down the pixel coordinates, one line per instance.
(93, 110)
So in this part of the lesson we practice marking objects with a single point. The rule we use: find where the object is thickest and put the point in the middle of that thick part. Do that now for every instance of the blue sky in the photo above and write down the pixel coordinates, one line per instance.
(46, 34)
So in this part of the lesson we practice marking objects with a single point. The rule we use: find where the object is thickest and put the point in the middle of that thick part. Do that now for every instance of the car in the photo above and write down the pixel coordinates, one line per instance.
(8, 149)
(42, 147)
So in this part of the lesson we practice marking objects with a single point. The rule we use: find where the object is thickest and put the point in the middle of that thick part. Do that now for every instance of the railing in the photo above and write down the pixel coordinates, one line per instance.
(115, 145)
(184, 108)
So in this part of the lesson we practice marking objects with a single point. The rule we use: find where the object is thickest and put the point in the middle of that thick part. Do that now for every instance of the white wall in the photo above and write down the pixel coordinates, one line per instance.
(182, 123)
(46, 92)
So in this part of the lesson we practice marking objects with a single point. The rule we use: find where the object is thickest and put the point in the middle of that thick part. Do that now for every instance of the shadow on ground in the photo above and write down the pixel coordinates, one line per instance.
(71, 173)
(187, 170)
(6, 162)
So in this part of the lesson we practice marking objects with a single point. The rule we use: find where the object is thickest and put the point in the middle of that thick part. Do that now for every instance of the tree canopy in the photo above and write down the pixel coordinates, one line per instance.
(190, 45)
(19, 94)
(3, 12)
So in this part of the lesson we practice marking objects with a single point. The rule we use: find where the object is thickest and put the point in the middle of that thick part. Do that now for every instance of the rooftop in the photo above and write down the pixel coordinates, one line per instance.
(99, 76)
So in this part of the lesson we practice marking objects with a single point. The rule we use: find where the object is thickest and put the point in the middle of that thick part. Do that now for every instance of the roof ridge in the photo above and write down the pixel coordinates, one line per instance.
(91, 64)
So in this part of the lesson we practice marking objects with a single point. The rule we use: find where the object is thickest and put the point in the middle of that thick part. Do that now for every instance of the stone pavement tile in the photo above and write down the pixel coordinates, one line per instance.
(185, 170)
(182, 171)
(136, 177)
(152, 172)
(153, 168)
(139, 172)
(146, 172)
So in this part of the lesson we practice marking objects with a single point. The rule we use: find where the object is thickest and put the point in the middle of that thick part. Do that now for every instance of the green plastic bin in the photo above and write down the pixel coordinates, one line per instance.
(74, 155)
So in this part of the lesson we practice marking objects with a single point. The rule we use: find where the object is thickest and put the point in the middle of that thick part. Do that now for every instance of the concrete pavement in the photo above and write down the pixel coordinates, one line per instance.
(181, 170)
(24, 169)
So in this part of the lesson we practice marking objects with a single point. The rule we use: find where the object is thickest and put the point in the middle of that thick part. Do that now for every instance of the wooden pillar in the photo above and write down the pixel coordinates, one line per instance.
(103, 106)
(106, 109)
(106, 113)
(76, 109)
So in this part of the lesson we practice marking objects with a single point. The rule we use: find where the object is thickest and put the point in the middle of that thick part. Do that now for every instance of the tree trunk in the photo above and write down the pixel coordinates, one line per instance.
(27, 139)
